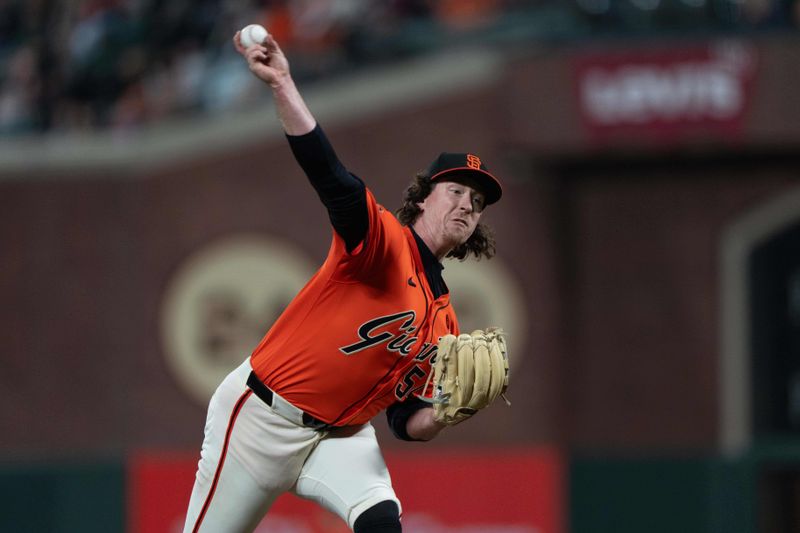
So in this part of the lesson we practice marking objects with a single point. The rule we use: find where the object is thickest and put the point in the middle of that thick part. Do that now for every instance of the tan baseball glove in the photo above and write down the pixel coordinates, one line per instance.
(469, 373)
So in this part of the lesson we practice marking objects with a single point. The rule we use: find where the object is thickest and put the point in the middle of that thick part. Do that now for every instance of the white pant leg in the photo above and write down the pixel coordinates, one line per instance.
(238, 503)
(262, 459)
(346, 473)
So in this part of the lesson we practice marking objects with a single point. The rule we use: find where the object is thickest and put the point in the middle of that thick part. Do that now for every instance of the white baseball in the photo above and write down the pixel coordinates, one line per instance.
(253, 34)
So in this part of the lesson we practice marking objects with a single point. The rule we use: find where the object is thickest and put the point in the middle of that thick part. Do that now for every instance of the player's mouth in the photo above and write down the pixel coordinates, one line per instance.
(461, 221)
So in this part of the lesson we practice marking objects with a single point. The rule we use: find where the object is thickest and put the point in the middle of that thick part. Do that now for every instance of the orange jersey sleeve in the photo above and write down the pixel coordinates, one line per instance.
(362, 332)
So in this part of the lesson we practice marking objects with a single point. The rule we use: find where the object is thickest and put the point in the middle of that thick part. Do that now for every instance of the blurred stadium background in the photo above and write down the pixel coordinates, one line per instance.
(154, 223)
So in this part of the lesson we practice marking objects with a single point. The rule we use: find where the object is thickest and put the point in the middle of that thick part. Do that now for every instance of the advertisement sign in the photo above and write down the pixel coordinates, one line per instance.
(668, 93)
(442, 491)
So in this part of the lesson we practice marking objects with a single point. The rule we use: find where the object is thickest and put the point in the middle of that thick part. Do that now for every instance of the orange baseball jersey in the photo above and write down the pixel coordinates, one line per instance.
(362, 332)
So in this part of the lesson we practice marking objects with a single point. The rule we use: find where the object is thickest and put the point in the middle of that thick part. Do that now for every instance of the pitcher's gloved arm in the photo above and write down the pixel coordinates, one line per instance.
(412, 420)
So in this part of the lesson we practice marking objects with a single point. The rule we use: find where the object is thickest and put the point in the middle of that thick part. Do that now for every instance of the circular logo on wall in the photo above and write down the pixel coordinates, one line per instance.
(220, 303)
(486, 293)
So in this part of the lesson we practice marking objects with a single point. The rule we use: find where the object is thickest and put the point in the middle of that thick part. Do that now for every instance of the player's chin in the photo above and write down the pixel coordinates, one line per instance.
(460, 228)
(459, 237)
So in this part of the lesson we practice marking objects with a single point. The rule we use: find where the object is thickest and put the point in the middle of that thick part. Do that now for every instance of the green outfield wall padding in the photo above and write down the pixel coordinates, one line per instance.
(62, 498)
(663, 495)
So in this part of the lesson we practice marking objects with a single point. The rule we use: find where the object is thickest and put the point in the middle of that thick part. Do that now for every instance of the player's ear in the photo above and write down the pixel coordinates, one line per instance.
(424, 202)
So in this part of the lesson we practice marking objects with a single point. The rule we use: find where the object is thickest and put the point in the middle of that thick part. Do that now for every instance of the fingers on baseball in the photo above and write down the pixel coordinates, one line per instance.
(237, 42)
(257, 55)
(272, 44)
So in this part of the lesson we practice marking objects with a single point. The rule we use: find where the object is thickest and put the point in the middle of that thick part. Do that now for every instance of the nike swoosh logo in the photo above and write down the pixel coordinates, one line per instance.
(411, 282)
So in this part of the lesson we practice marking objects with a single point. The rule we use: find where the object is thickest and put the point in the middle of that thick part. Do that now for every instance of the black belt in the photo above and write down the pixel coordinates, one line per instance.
(264, 392)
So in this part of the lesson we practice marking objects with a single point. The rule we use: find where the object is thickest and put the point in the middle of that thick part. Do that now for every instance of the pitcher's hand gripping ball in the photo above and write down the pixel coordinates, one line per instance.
(470, 372)
(253, 34)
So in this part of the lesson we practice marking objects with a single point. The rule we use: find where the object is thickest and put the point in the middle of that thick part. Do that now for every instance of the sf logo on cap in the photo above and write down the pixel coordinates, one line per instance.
(473, 161)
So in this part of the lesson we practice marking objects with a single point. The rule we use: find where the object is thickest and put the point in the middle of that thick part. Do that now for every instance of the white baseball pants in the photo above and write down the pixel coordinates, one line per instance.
(251, 455)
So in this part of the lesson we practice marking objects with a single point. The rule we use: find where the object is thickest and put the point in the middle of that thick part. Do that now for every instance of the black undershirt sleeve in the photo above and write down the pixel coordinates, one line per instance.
(398, 414)
(342, 193)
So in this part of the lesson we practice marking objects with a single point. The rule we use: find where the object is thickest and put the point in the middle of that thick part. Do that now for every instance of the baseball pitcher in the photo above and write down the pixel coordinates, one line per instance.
(372, 330)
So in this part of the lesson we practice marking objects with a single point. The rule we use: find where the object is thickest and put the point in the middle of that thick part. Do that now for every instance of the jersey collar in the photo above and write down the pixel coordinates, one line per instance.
(429, 261)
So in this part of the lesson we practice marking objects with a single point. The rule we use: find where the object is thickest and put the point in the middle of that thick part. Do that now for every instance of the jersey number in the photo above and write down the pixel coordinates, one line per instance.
(406, 387)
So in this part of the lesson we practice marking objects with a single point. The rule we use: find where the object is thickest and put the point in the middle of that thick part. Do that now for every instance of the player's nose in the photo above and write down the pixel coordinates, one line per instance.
(465, 203)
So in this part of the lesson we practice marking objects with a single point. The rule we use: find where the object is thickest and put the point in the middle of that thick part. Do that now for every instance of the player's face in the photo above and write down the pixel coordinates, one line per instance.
(452, 210)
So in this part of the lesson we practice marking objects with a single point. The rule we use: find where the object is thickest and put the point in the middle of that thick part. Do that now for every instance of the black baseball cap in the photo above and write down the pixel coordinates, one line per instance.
(449, 166)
